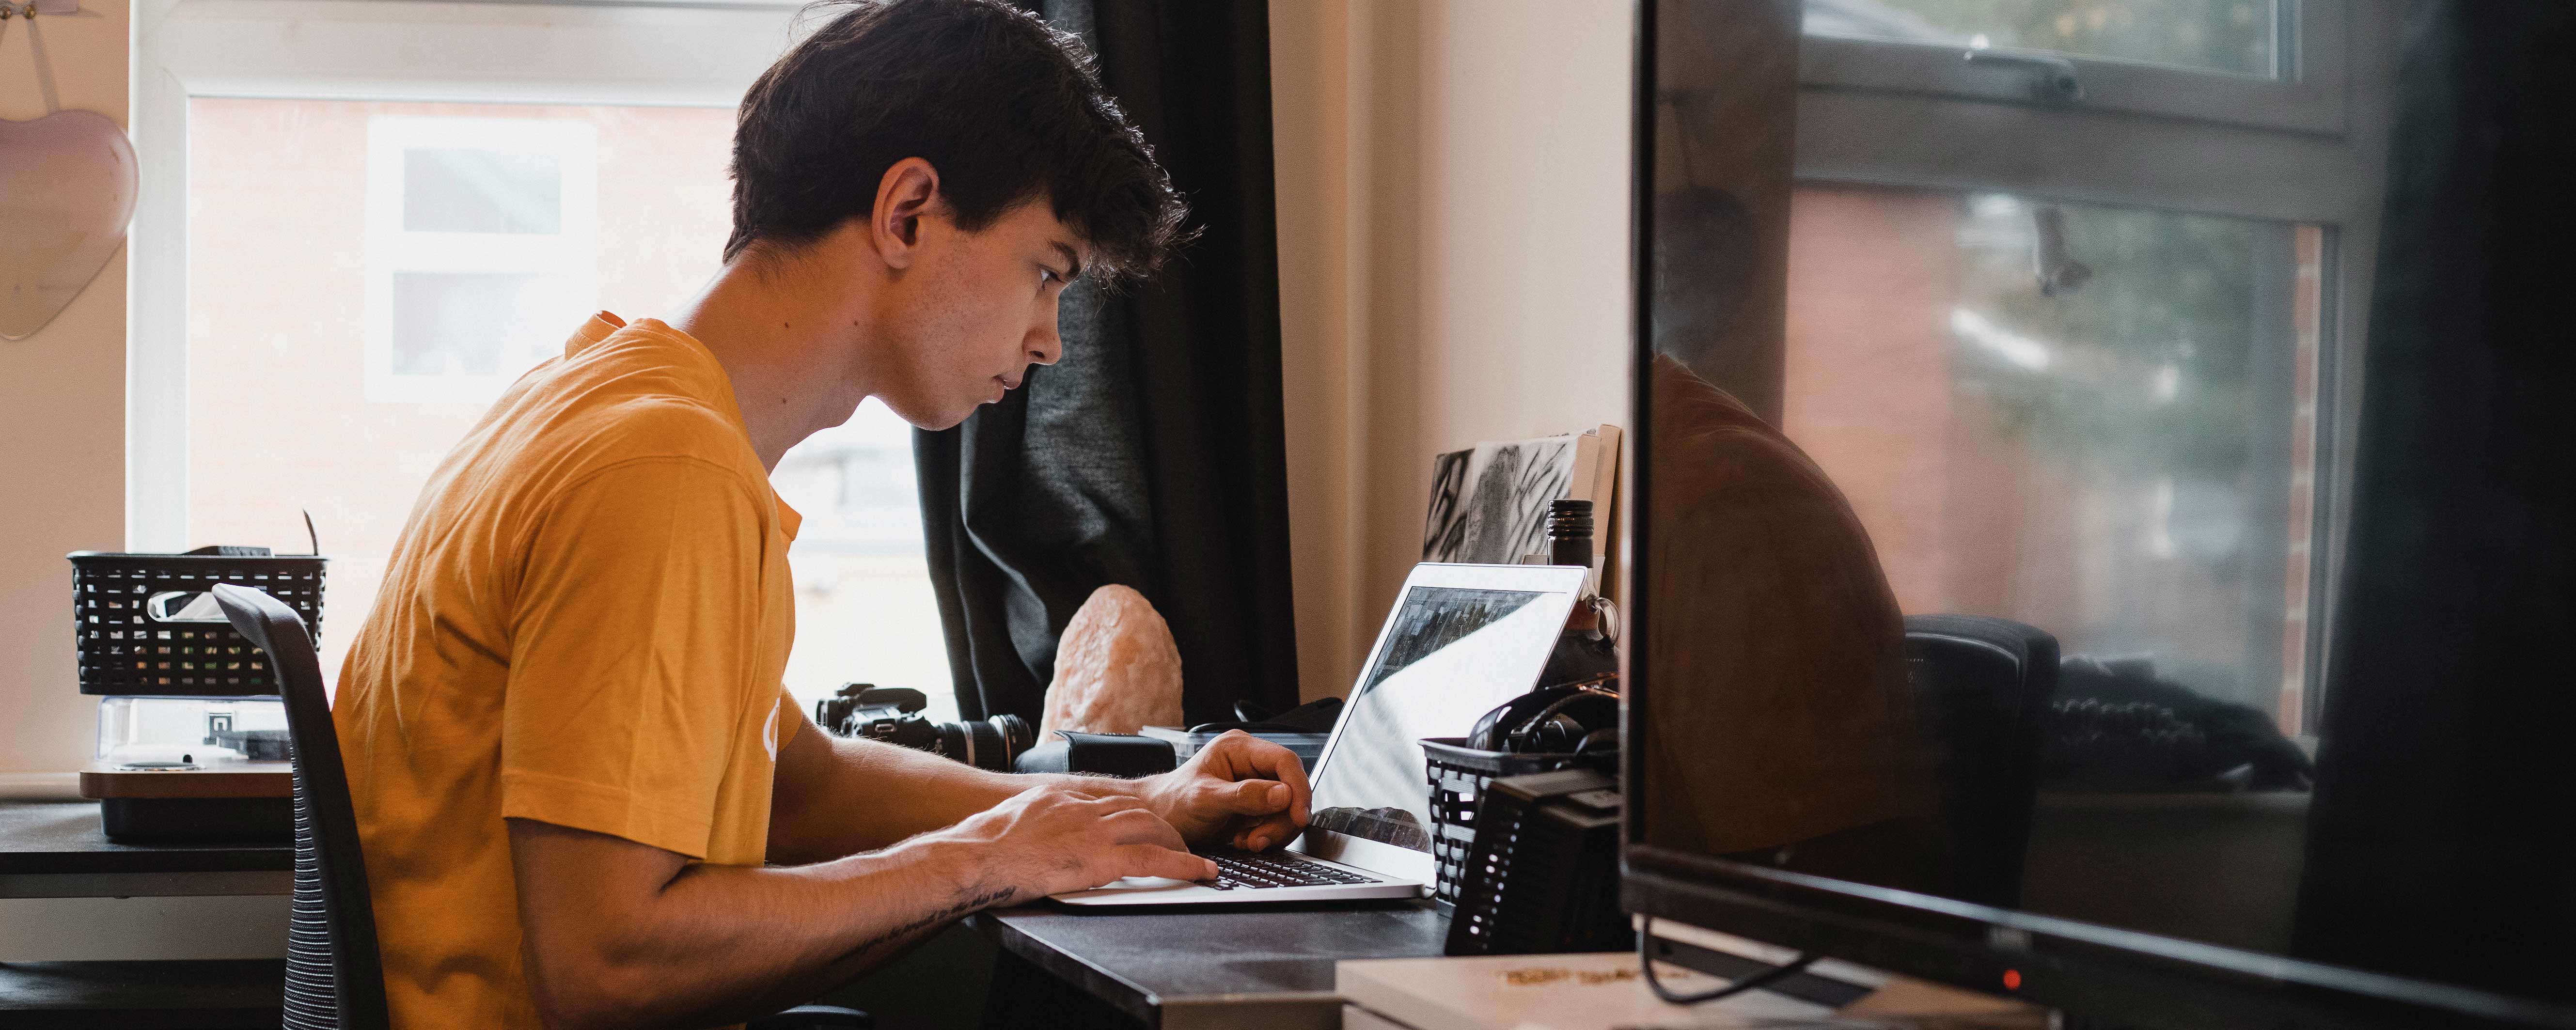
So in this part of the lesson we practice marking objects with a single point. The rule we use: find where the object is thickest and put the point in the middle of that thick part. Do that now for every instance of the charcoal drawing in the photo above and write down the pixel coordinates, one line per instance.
(1489, 504)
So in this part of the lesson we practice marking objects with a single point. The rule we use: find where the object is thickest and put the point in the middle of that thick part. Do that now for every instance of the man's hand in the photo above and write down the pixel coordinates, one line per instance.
(1239, 789)
(1056, 837)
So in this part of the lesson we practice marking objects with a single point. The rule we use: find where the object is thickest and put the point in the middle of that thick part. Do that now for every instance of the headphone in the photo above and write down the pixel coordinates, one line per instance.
(1578, 717)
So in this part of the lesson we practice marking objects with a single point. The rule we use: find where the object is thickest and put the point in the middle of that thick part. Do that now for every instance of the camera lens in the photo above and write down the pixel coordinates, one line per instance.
(984, 748)
(987, 743)
(976, 742)
(1017, 737)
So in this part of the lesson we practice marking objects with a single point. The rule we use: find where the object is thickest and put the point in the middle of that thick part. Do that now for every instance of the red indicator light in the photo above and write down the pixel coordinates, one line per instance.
(2012, 979)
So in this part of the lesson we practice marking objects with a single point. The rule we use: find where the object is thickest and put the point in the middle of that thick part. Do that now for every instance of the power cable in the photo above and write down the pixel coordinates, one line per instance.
(1645, 937)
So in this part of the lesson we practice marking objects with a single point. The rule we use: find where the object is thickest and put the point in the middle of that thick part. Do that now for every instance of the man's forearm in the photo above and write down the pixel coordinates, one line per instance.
(841, 796)
(725, 943)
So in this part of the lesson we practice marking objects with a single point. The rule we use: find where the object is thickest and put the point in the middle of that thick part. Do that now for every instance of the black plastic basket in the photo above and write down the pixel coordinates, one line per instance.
(131, 638)
(1458, 777)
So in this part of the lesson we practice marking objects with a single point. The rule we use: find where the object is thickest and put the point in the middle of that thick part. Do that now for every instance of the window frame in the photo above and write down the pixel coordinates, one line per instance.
(2307, 91)
(1877, 113)
(703, 53)
(571, 251)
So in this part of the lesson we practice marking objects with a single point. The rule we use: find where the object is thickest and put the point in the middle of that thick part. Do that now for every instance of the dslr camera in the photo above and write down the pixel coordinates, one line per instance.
(893, 715)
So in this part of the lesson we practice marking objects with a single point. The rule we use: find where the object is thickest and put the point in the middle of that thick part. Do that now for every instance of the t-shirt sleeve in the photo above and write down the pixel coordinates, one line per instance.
(633, 632)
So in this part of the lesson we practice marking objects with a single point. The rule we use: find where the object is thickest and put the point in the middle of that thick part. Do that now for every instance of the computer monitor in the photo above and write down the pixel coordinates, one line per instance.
(2035, 582)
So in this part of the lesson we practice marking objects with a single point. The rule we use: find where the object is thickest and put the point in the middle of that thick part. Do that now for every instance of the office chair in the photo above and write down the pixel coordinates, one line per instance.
(1981, 692)
(334, 974)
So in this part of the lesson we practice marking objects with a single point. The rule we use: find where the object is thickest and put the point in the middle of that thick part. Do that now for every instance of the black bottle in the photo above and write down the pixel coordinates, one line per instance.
(1569, 532)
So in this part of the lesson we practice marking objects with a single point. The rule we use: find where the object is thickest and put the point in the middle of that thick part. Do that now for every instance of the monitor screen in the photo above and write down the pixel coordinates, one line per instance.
(2020, 555)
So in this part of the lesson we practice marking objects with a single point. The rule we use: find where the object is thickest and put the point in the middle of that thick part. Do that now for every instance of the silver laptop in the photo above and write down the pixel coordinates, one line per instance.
(1461, 640)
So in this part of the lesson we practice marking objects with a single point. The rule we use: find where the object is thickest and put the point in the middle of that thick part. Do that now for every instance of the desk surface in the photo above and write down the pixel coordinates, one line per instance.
(65, 837)
(1234, 966)
(57, 849)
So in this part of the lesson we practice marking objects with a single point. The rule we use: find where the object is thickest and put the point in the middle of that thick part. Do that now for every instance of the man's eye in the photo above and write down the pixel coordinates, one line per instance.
(1047, 275)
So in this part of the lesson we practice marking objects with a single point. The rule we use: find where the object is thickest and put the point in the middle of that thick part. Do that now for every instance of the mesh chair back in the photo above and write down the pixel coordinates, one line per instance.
(1981, 692)
(334, 976)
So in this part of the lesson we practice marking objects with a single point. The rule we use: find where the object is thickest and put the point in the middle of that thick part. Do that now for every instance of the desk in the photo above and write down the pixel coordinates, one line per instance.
(1267, 966)
(55, 849)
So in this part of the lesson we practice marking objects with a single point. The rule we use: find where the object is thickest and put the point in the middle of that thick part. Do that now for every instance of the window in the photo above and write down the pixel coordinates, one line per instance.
(482, 237)
(2065, 373)
(368, 256)
(368, 275)
(864, 607)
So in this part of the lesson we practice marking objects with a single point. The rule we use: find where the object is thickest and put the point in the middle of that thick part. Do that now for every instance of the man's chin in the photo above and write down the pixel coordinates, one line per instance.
(933, 420)
(949, 420)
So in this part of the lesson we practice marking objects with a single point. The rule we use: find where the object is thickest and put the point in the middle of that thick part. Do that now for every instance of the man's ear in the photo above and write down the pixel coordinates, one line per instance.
(908, 193)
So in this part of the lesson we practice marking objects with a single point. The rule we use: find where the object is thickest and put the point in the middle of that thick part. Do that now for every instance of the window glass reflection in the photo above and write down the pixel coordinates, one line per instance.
(2098, 421)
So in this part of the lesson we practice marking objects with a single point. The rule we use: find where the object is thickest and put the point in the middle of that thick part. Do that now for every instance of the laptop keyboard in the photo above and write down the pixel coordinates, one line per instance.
(1244, 870)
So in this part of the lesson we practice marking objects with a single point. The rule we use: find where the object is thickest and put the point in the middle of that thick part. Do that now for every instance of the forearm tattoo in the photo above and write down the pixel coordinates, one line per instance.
(961, 908)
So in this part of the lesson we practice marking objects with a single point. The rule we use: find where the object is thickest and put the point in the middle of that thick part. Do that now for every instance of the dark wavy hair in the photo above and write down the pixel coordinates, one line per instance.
(1006, 108)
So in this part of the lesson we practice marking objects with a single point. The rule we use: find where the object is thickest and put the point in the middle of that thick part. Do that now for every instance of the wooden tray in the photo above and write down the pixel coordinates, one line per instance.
(212, 780)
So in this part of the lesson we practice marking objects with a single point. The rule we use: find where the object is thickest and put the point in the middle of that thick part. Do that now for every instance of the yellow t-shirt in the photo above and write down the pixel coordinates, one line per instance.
(584, 623)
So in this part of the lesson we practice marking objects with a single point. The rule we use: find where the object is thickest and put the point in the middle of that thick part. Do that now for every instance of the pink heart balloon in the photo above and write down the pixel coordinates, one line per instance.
(66, 191)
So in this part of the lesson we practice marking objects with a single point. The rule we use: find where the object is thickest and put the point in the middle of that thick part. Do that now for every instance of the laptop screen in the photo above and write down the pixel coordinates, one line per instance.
(1448, 655)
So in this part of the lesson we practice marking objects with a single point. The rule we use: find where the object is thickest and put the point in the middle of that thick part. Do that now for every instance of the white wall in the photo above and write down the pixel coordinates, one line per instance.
(62, 489)
(1453, 208)
(62, 429)
(1321, 255)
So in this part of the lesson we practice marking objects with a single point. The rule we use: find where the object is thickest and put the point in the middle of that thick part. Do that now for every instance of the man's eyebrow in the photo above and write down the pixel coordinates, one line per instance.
(1072, 261)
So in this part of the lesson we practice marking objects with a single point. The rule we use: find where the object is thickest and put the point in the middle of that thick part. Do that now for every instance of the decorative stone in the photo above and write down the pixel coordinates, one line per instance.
(1116, 668)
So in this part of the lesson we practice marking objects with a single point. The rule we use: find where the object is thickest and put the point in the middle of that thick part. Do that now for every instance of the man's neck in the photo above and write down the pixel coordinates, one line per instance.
(793, 373)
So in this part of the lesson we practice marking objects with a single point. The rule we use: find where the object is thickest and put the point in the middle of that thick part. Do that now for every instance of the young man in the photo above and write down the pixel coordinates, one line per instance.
(585, 798)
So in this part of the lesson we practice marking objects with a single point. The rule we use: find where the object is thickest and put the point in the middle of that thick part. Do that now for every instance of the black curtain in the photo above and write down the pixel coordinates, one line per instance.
(2443, 838)
(1152, 455)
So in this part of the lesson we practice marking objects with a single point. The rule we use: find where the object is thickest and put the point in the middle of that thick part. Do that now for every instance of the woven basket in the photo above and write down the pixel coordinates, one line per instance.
(144, 627)
(1458, 777)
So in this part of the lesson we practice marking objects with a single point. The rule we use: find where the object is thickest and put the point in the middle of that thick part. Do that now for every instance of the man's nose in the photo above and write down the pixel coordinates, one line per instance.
(1045, 346)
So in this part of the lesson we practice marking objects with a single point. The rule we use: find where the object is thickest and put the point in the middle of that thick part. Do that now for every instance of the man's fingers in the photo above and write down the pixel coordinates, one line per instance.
(1253, 797)
(1141, 826)
(1269, 798)
(1281, 764)
(1303, 796)
(1148, 860)
(1249, 757)
(1267, 833)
